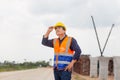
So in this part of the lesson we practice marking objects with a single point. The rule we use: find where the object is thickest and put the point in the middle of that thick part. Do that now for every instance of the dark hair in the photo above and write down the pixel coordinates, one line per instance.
(61, 27)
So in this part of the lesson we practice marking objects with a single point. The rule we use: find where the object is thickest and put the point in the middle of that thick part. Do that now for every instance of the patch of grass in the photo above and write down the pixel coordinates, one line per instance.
(12, 66)
(79, 78)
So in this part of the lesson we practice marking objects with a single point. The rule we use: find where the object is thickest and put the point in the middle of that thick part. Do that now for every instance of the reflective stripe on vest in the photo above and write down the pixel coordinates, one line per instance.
(62, 57)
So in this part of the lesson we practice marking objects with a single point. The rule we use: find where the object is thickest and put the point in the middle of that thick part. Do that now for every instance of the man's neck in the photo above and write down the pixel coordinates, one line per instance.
(62, 36)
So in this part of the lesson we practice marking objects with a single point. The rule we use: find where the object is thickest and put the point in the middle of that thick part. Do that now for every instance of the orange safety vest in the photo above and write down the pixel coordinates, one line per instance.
(63, 54)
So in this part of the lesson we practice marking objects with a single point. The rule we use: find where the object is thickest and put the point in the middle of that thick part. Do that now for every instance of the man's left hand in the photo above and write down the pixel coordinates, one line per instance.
(69, 67)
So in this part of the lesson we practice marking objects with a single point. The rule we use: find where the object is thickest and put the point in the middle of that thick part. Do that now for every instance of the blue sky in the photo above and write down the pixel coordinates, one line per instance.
(24, 22)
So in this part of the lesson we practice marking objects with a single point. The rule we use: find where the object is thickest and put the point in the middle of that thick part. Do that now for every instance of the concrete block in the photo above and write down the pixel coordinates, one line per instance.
(93, 67)
(116, 62)
(103, 68)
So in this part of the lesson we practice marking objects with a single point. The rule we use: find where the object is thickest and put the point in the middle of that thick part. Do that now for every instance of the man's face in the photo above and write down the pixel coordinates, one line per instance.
(59, 31)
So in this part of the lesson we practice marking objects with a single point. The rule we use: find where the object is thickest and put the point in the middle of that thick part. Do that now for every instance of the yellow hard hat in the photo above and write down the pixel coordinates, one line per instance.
(59, 24)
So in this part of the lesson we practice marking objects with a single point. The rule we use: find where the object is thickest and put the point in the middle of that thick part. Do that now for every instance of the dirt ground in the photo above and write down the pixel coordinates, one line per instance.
(76, 76)
(39, 74)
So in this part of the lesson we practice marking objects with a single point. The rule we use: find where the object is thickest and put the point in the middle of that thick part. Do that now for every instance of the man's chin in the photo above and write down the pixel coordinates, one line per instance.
(58, 34)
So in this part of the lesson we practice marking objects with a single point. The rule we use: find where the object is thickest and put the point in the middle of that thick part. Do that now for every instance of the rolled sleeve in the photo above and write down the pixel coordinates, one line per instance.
(47, 42)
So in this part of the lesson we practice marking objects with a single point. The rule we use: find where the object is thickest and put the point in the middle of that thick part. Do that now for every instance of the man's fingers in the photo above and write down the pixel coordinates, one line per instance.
(51, 27)
(70, 70)
(66, 69)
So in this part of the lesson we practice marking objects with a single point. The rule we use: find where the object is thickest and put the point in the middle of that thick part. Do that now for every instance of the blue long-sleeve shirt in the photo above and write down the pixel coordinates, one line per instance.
(74, 46)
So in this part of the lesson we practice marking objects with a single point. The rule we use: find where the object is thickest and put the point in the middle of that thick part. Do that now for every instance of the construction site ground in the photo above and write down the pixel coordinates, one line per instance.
(39, 74)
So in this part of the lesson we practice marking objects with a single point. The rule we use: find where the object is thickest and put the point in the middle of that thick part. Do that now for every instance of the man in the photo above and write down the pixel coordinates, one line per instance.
(66, 51)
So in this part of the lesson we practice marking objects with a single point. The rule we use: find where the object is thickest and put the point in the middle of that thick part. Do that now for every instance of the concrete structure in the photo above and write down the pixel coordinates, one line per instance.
(93, 67)
(100, 67)
(103, 68)
(82, 66)
(116, 68)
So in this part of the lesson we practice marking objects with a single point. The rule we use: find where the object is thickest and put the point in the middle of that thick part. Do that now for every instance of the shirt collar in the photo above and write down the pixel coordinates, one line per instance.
(63, 38)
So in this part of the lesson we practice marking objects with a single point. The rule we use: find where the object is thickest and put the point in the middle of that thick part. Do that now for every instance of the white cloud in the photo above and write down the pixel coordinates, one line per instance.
(23, 23)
